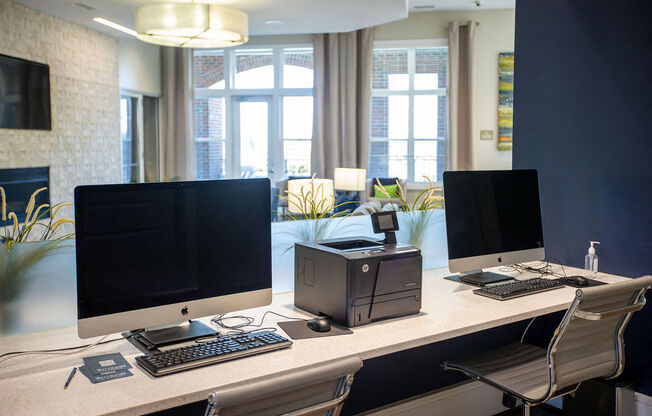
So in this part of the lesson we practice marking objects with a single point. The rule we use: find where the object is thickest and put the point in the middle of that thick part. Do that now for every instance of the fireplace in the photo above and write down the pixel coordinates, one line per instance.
(19, 184)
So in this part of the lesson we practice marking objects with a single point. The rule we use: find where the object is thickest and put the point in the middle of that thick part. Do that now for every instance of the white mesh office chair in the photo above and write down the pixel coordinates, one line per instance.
(587, 344)
(318, 390)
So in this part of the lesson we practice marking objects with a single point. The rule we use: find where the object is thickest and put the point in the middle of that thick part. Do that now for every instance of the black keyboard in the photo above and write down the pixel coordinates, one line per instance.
(205, 353)
(518, 288)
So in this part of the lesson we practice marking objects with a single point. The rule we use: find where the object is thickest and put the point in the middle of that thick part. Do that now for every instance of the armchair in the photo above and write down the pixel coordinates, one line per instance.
(369, 192)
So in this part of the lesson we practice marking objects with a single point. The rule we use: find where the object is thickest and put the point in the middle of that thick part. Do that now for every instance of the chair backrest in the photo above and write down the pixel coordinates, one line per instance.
(316, 390)
(589, 340)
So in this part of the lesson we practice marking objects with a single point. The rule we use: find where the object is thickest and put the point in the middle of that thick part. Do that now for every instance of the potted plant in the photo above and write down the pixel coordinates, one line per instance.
(417, 216)
(24, 244)
(313, 213)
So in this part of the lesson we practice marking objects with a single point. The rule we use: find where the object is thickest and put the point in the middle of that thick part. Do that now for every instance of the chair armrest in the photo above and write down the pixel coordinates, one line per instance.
(596, 316)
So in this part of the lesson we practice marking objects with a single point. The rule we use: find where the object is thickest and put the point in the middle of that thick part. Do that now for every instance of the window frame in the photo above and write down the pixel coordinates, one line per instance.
(411, 46)
(138, 133)
(230, 94)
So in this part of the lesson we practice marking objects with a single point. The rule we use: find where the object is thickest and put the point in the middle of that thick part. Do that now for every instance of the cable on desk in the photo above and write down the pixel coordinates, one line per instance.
(543, 269)
(562, 267)
(73, 350)
(247, 321)
(62, 351)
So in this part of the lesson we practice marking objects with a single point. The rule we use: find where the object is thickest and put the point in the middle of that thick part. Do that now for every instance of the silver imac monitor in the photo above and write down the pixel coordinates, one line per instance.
(154, 254)
(493, 218)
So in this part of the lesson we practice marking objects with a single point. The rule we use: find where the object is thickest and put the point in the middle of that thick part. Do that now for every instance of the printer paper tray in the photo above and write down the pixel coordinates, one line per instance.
(386, 297)
(401, 304)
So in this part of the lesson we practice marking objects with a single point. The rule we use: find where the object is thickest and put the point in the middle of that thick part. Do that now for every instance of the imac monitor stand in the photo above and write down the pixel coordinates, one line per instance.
(493, 218)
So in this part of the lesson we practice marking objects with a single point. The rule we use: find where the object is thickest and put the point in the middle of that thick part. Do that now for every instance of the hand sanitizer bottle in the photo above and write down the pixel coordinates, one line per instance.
(591, 259)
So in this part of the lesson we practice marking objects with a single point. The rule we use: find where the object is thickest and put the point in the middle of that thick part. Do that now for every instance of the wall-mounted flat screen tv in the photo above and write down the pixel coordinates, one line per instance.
(24, 94)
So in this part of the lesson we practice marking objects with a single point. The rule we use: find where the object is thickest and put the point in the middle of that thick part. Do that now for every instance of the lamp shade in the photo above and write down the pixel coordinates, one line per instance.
(306, 195)
(348, 179)
(191, 25)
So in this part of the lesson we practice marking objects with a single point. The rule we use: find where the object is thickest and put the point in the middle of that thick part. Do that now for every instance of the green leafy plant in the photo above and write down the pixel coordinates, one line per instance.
(308, 230)
(33, 229)
(311, 207)
(427, 199)
(417, 215)
(15, 263)
(14, 266)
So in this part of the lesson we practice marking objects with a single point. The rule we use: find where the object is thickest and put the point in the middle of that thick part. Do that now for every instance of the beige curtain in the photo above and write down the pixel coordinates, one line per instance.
(343, 63)
(177, 144)
(460, 95)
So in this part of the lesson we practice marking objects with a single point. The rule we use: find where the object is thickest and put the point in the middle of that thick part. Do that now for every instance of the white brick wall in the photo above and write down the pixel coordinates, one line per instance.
(83, 146)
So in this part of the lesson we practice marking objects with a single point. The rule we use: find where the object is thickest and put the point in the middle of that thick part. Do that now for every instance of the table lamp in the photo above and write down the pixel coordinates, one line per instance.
(349, 179)
(306, 195)
(348, 182)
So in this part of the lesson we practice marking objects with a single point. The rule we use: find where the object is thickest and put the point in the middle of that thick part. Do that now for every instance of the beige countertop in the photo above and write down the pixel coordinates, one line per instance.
(33, 384)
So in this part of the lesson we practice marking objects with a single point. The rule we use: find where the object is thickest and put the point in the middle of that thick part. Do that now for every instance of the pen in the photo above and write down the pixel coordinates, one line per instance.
(72, 374)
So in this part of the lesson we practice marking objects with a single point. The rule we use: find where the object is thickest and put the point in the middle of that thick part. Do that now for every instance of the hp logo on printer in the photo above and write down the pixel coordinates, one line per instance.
(184, 311)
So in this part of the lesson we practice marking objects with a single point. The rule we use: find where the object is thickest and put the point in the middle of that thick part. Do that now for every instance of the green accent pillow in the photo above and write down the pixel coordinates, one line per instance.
(392, 190)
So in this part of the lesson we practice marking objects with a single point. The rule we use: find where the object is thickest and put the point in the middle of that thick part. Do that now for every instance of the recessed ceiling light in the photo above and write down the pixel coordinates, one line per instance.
(115, 26)
(274, 22)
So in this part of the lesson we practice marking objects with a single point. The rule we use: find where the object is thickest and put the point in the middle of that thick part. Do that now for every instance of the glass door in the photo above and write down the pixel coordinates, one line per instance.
(253, 155)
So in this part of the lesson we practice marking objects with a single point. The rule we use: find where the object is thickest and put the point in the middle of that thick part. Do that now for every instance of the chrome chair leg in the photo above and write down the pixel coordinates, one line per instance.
(526, 409)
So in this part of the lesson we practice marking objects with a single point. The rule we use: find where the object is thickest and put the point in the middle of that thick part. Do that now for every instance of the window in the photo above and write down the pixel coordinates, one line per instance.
(139, 134)
(253, 111)
(129, 138)
(409, 112)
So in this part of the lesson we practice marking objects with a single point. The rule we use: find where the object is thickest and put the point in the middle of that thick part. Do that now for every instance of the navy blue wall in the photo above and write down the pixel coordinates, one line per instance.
(583, 118)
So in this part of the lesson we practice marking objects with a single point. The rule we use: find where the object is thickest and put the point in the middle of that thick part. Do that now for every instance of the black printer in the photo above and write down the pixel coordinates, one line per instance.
(358, 281)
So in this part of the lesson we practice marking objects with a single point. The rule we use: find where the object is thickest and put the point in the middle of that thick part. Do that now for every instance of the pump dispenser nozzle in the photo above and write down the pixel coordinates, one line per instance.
(592, 249)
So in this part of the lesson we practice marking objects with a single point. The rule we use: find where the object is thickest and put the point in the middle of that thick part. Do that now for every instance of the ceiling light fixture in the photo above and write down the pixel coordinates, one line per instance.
(274, 22)
(84, 6)
(115, 26)
(191, 25)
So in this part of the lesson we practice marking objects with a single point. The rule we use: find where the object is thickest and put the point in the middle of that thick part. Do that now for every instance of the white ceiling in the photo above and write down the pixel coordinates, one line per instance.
(439, 5)
(298, 16)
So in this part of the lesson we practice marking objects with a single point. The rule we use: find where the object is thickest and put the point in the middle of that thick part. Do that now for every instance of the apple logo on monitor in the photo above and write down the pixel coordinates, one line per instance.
(184, 311)
(500, 259)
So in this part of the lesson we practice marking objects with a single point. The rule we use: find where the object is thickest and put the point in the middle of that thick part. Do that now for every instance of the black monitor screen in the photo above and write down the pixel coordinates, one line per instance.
(490, 212)
(24, 94)
(146, 245)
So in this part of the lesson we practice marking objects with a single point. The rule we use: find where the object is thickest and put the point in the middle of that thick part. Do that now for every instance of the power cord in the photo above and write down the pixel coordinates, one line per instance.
(526, 328)
(543, 268)
(246, 322)
(562, 267)
(236, 329)
(62, 351)
(546, 269)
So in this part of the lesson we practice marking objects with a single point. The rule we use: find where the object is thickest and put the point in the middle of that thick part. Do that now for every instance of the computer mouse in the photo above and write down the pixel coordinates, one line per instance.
(577, 280)
(319, 324)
